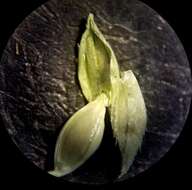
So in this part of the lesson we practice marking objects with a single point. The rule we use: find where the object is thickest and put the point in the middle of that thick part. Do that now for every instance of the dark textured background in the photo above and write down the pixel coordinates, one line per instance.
(37, 65)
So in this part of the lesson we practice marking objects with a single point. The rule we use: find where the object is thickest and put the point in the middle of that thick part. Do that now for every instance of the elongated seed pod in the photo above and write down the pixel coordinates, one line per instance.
(80, 137)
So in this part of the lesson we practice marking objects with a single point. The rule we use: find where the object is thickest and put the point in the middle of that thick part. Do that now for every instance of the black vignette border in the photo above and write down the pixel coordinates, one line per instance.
(16, 171)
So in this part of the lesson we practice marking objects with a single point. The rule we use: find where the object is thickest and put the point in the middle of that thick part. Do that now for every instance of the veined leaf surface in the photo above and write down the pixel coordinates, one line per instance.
(128, 117)
(97, 62)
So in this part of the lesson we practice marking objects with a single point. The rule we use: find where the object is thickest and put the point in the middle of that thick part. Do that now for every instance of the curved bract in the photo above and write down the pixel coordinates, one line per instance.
(80, 137)
(128, 117)
(97, 62)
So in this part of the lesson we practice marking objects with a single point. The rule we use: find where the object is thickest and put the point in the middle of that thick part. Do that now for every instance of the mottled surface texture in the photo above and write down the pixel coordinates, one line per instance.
(39, 89)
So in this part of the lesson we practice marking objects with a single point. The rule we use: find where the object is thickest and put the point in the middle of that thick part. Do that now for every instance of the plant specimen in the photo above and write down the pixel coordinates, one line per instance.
(106, 88)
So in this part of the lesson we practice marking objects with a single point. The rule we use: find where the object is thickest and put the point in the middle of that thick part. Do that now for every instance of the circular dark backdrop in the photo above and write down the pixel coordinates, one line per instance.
(39, 89)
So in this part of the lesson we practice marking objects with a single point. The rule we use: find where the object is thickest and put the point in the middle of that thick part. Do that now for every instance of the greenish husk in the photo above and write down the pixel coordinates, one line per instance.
(103, 85)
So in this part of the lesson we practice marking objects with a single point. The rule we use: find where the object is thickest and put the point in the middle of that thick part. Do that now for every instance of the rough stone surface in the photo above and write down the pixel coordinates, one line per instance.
(39, 89)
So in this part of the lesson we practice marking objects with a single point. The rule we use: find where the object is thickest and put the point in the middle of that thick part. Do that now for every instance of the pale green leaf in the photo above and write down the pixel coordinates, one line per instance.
(80, 137)
(128, 117)
(97, 62)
